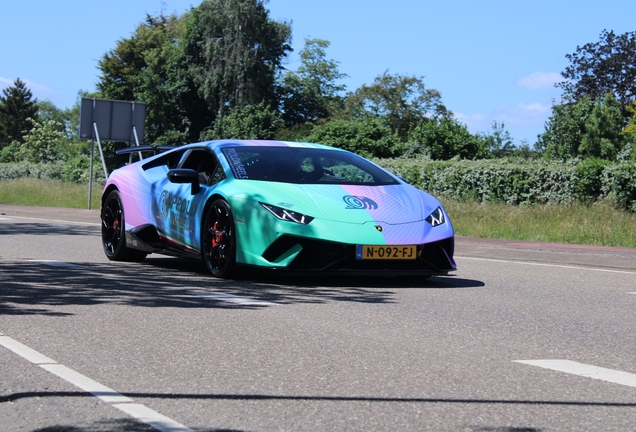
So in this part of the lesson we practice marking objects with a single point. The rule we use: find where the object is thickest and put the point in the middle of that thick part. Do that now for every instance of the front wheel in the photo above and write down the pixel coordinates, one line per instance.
(113, 231)
(219, 241)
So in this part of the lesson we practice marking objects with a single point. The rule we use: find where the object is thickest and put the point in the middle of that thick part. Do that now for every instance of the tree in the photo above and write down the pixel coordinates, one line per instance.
(151, 67)
(311, 92)
(17, 106)
(234, 51)
(586, 128)
(43, 143)
(498, 141)
(369, 136)
(403, 100)
(445, 138)
(607, 66)
(250, 122)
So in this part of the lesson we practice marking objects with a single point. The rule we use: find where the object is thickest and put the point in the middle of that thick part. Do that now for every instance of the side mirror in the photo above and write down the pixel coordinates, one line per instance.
(185, 175)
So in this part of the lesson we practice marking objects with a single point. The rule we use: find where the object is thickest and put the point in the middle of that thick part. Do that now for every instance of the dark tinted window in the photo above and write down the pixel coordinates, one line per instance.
(304, 165)
(205, 163)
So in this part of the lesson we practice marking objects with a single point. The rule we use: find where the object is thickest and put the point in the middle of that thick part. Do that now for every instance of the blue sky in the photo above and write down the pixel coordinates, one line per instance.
(492, 60)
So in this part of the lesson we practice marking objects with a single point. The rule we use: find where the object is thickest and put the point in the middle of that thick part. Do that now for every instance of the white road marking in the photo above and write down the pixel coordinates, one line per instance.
(106, 394)
(151, 417)
(65, 222)
(24, 351)
(547, 265)
(54, 263)
(88, 385)
(244, 301)
(585, 370)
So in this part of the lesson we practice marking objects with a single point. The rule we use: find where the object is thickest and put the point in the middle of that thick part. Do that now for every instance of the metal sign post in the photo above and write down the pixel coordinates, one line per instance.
(112, 120)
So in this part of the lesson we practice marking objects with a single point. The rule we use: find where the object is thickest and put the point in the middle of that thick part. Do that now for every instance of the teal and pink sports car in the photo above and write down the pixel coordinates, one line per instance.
(283, 206)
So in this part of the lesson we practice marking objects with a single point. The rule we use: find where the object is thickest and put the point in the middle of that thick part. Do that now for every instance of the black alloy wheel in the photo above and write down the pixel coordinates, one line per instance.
(113, 231)
(219, 242)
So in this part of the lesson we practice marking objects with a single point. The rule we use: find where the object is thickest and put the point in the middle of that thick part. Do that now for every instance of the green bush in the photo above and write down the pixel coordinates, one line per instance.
(10, 171)
(588, 180)
(369, 136)
(619, 184)
(516, 181)
(77, 169)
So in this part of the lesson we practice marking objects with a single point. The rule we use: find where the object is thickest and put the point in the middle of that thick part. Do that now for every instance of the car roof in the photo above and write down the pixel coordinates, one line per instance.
(264, 143)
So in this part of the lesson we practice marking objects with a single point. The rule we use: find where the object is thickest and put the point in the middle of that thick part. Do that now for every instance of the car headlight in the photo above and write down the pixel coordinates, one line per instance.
(288, 215)
(437, 217)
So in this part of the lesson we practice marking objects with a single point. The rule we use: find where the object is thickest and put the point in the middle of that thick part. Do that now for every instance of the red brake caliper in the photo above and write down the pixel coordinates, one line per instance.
(217, 238)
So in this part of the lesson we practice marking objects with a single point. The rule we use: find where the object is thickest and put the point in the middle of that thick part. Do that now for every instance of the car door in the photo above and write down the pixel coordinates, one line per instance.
(179, 210)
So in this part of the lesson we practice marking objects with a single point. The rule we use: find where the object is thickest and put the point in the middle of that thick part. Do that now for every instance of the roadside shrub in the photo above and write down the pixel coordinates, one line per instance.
(619, 184)
(517, 181)
(10, 171)
(77, 169)
(369, 136)
(588, 179)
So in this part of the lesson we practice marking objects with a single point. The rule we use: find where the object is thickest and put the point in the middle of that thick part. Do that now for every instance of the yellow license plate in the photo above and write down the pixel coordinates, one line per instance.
(385, 252)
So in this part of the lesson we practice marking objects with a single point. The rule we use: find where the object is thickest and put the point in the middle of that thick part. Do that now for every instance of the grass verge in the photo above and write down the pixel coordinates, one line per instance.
(48, 193)
(577, 223)
(594, 224)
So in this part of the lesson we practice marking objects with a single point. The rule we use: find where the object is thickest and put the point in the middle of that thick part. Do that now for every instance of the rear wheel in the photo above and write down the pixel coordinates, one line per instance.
(113, 231)
(219, 241)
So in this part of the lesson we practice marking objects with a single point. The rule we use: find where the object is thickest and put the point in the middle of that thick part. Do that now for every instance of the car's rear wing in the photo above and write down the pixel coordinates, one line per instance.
(144, 149)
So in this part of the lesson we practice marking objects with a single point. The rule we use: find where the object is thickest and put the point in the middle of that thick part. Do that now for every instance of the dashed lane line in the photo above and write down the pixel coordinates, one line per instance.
(585, 370)
(106, 394)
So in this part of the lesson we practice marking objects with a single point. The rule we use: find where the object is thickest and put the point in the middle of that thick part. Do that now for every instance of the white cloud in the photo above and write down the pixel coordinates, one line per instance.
(540, 80)
(524, 120)
(39, 91)
(532, 114)
(474, 122)
(5, 83)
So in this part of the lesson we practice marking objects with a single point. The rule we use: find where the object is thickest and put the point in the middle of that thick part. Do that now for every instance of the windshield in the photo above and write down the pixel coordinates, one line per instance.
(304, 165)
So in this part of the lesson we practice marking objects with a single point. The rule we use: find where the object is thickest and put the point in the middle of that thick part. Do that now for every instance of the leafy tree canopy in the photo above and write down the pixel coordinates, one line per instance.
(498, 142)
(249, 122)
(598, 68)
(445, 138)
(312, 91)
(234, 51)
(587, 128)
(17, 106)
(368, 136)
(150, 67)
(403, 100)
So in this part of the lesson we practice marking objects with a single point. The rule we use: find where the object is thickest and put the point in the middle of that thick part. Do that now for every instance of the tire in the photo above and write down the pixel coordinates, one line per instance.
(113, 231)
(219, 240)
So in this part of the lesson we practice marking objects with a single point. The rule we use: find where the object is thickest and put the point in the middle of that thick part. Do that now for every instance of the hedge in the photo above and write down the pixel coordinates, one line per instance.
(512, 181)
(11, 171)
(74, 170)
(518, 181)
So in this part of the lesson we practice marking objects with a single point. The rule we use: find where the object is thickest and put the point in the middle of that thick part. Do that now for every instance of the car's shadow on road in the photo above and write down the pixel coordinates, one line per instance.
(30, 287)
(316, 279)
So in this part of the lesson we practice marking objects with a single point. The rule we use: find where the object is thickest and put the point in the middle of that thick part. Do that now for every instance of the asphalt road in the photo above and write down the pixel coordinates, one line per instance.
(524, 337)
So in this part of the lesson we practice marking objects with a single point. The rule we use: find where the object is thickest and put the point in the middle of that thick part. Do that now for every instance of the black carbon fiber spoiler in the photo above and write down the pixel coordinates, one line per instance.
(144, 149)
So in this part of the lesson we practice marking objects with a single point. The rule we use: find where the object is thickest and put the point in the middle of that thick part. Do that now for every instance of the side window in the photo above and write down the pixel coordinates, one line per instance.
(206, 164)
(218, 175)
